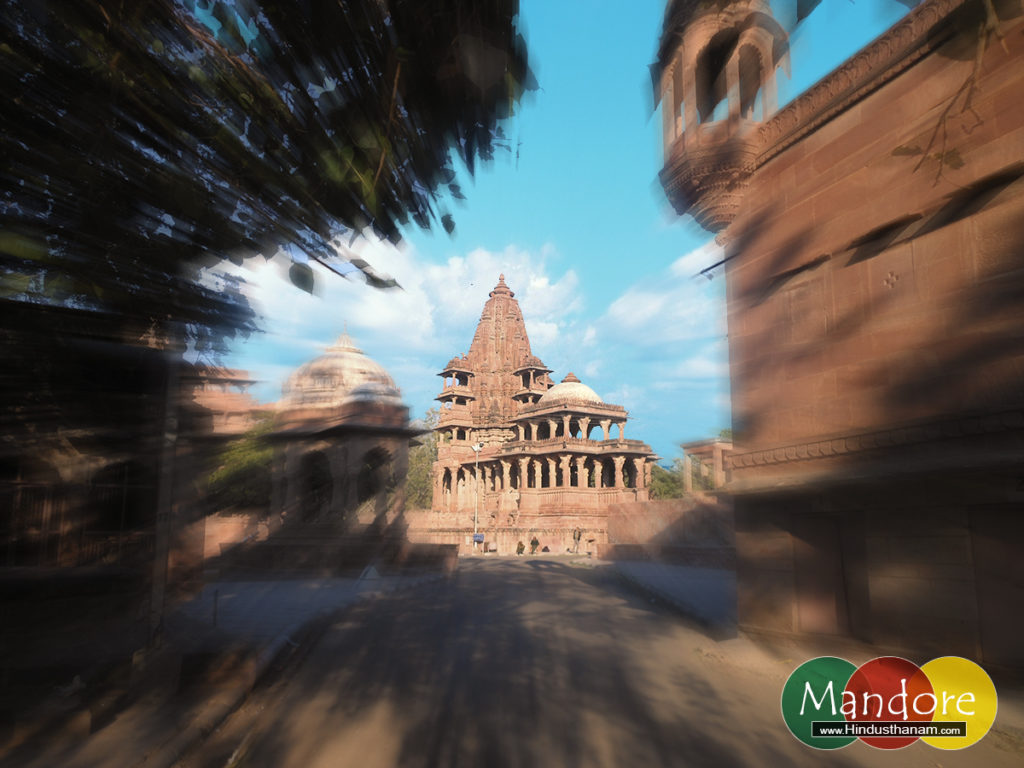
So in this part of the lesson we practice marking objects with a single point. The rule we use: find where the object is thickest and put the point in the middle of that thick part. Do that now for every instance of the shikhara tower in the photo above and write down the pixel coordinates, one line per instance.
(519, 455)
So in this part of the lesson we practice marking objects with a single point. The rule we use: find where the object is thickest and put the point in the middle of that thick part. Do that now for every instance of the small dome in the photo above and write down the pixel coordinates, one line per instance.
(569, 390)
(374, 392)
(329, 380)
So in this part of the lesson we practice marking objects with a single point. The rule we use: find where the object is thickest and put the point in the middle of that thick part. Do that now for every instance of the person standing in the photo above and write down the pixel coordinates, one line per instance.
(534, 543)
(576, 536)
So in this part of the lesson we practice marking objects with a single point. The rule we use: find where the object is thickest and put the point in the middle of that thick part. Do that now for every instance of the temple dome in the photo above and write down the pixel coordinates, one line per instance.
(571, 389)
(341, 374)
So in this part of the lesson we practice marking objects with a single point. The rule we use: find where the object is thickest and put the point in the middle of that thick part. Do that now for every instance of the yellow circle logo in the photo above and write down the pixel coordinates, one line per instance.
(964, 692)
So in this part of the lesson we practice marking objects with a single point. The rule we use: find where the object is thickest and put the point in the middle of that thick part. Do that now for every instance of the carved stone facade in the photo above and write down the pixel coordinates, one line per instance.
(875, 290)
(520, 456)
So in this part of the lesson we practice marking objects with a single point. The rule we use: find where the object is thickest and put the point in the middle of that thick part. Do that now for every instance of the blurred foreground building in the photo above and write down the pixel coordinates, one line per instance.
(519, 455)
(873, 231)
(342, 435)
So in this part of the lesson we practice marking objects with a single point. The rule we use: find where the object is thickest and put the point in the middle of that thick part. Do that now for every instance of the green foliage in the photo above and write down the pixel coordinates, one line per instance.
(419, 484)
(242, 478)
(667, 483)
(146, 141)
(725, 434)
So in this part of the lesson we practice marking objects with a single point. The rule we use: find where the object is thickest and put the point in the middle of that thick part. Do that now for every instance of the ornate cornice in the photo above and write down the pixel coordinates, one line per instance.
(845, 445)
(902, 45)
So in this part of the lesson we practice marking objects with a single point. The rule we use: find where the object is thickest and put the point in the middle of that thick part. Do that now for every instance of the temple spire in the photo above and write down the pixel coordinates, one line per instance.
(501, 289)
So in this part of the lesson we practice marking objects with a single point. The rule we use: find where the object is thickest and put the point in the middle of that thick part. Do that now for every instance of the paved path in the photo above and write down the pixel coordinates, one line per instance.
(254, 619)
(535, 662)
(252, 613)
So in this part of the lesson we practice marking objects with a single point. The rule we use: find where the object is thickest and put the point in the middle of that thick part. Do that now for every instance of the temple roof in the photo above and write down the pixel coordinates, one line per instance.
(334, 377)
(571, 389)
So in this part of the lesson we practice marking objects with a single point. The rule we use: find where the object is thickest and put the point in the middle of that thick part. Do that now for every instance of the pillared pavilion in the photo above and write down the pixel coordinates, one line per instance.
(521, 456)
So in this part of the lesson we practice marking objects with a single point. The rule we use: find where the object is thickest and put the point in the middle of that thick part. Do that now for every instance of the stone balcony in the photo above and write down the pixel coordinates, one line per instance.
(708, 168)
(577, 444)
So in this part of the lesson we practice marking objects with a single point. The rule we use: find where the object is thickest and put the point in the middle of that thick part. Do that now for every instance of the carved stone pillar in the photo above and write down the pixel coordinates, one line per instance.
(688, 62)
(551, 472)
(668, 100)
(565, 426)
(523, 476)
(732, 80)
(581, 471)
(687, 474)
(619, 461)
(606, 425)
(552, 427)
(584, 426)
(506, 474)
(566, 478)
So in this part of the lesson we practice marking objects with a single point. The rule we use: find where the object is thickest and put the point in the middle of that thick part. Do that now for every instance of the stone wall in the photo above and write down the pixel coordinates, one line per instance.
(695, 530)
(875, 290)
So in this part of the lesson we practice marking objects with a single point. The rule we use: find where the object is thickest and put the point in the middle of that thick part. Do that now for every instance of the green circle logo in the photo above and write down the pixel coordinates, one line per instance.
(813, 693)
(889, 703)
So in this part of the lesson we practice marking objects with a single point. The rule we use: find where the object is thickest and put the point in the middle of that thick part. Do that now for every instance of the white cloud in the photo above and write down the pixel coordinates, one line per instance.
(691, 264)
(412, 331)
(671, 307)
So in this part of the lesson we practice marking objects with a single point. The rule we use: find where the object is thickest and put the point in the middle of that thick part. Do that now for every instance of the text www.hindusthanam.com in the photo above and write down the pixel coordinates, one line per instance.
(888, 728)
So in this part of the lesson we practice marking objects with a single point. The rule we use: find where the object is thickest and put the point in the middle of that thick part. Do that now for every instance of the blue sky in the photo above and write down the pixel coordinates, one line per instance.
(605, 272)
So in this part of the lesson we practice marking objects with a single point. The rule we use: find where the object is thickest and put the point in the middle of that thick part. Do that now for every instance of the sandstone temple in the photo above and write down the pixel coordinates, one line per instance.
(521, 456)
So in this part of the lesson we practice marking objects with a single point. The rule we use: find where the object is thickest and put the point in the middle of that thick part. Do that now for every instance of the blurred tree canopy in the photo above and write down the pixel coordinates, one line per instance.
(667, 483)
(242, 476)
(145, 141)
(419, 484)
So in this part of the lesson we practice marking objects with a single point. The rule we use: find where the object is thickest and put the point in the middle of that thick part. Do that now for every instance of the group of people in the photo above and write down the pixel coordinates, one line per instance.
(577, 534)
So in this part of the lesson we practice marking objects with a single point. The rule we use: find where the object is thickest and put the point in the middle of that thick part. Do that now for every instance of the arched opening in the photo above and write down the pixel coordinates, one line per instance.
(545, 474)
(711, 80)
(588, 467)
(374, 474)
(460, 487)
(574, 474)
(629, 474)
(317, 485)
(544, 431)
(513, 476)
(607, 473)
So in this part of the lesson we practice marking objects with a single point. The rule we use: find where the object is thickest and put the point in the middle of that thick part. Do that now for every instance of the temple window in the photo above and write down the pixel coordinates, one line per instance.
(712, 82)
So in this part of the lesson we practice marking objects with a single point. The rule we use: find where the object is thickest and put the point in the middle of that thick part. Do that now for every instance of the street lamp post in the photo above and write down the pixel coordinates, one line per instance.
(476, 510)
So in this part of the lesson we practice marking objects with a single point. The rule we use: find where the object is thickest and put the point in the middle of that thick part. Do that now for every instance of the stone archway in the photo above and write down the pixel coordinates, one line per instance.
(374, 481)
(316, 486)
